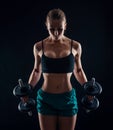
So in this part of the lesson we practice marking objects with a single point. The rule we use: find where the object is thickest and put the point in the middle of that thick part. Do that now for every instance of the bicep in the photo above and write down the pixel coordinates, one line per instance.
(78, 64)
(37, 63)
(37, 58)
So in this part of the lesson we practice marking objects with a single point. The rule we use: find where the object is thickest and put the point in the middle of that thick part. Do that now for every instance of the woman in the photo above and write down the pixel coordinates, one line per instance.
(57, 57)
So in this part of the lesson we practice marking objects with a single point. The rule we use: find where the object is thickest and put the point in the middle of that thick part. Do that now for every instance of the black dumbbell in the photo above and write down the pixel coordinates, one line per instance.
(92, 87)
(90, 104)
(27, 107)
(23, 91)
(90, 101)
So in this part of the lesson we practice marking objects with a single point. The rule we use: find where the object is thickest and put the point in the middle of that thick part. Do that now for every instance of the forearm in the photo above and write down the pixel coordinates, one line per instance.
(80, 76)
(34, 78)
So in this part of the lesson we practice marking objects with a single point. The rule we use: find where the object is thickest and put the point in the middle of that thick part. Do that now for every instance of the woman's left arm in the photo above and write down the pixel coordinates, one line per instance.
(78, 70)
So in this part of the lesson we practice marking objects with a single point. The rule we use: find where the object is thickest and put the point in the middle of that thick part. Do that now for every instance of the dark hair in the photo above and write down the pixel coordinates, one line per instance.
(56, 14)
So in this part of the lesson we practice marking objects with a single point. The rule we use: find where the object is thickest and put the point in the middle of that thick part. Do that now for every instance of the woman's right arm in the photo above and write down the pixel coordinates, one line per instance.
(36, 72)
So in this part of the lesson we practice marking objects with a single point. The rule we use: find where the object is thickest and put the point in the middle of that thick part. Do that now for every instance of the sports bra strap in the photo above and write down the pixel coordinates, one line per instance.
(42, 47)
(71, 45)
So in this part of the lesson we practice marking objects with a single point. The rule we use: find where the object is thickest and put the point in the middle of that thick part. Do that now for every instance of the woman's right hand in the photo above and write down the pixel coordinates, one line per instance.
(24, 99)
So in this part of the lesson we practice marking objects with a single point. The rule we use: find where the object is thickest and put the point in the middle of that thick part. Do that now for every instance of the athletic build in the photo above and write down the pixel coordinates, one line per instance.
(57, 57)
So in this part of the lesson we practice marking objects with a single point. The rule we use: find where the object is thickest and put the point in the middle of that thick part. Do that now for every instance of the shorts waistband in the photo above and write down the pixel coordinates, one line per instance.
(56, 94)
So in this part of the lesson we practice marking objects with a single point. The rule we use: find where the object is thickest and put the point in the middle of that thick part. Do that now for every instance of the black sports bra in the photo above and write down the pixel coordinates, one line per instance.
(57, 65)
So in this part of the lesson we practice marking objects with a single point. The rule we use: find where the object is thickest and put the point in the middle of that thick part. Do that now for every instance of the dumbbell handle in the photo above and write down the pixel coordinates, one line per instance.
(93, 81)
(20, 83)
(30, 113)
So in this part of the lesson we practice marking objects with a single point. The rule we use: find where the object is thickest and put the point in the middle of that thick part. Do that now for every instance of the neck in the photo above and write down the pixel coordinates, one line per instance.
(60, 40)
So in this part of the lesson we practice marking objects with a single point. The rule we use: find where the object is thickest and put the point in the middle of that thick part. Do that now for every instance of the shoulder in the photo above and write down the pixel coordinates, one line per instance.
(76, 45)
(37, 46)
(77, 49)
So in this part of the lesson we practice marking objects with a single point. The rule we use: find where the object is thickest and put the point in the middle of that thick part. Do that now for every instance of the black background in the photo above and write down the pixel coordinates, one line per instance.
(22, 23)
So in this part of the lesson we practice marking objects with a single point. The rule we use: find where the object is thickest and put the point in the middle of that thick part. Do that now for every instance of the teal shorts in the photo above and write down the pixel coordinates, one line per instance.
(64, 104)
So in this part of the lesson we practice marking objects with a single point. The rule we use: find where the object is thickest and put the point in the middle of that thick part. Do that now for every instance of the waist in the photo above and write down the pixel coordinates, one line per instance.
(52, 77)
(55, 90)
(57, 83)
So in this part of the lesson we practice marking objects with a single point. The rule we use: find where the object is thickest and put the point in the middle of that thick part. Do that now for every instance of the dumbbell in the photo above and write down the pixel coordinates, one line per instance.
(91, 89)
(23, 91)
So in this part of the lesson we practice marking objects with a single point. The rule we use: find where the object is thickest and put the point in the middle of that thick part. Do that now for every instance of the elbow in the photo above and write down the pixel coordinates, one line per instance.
(78, 70)
(37, 70)
(35, 73)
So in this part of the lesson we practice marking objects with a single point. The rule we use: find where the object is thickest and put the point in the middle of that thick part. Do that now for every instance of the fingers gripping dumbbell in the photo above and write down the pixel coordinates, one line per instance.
(90, 101)
(23, 91)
